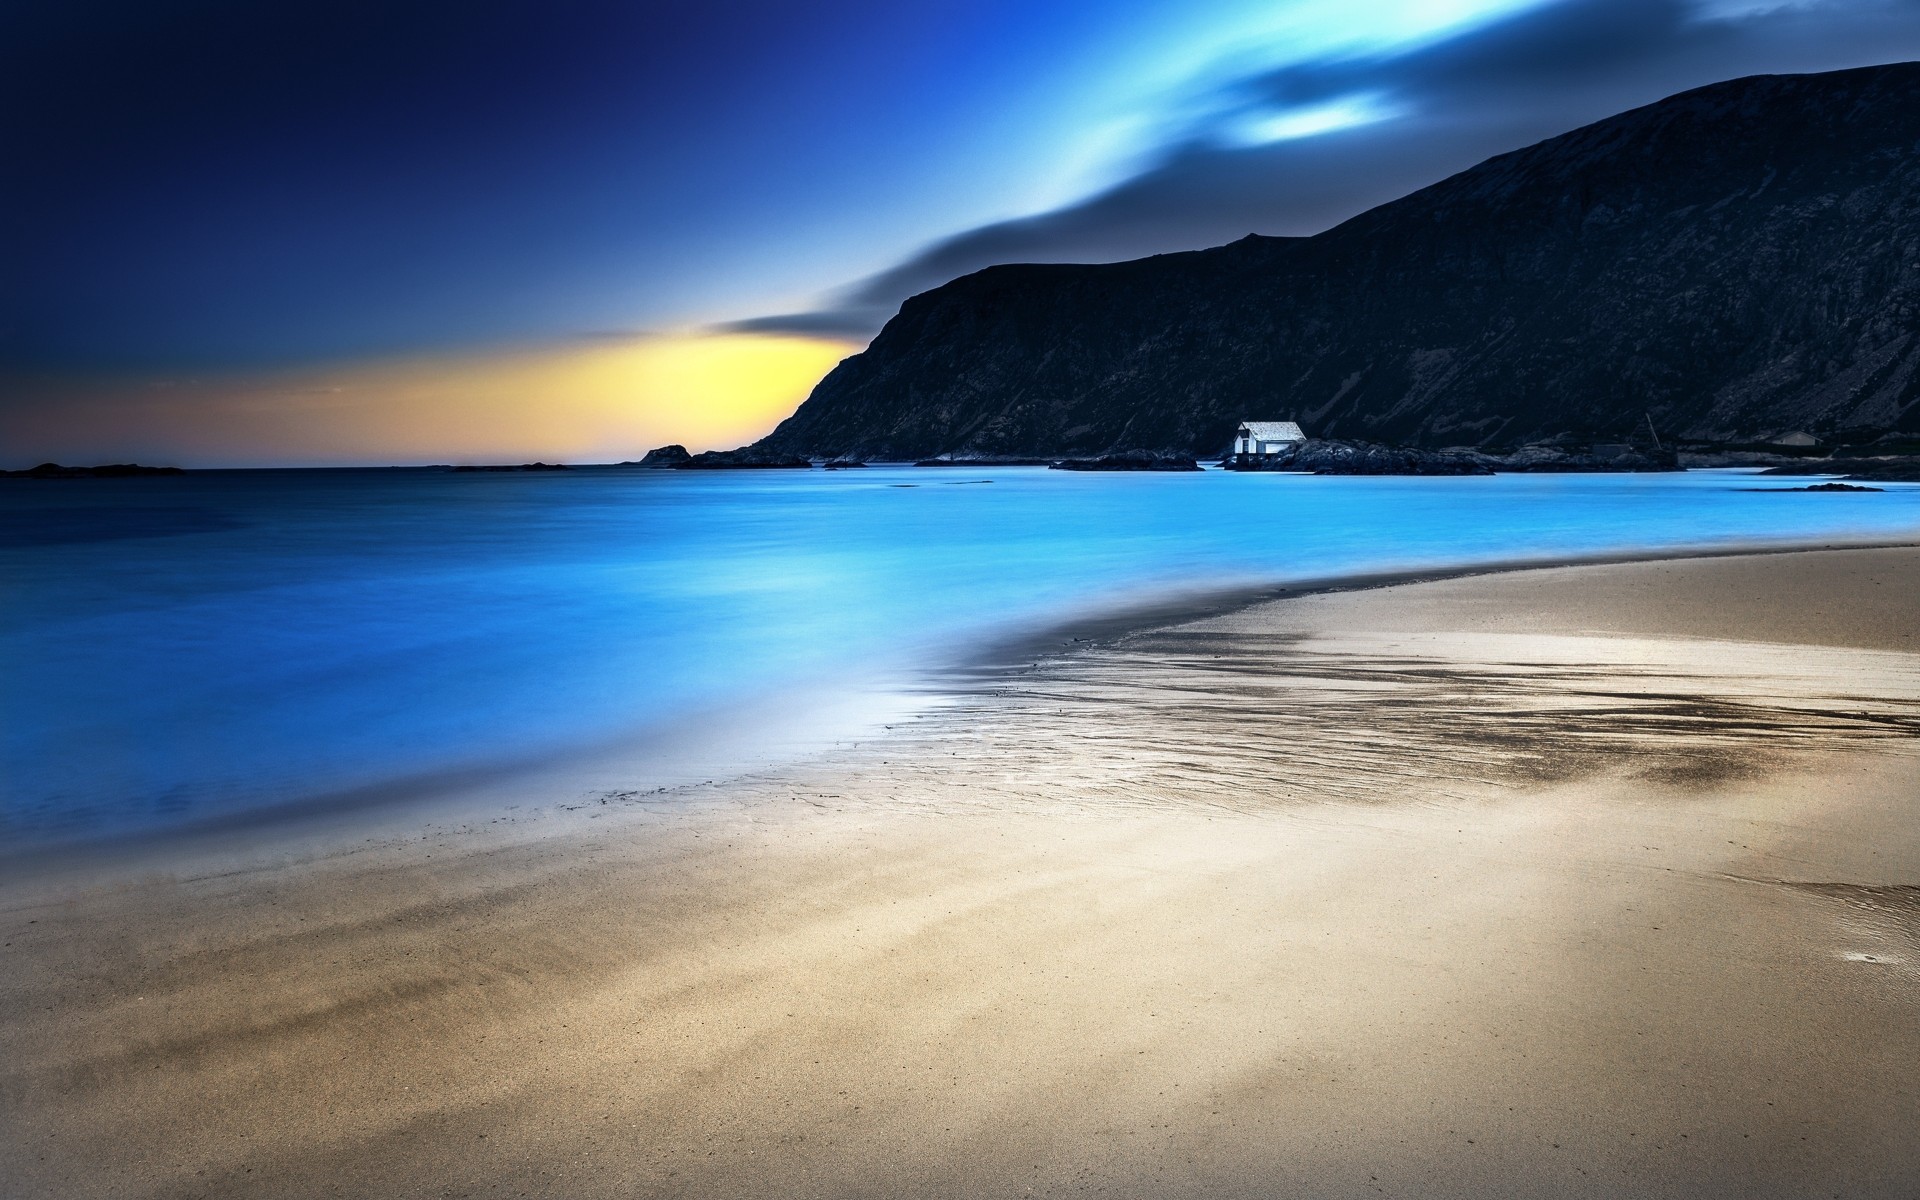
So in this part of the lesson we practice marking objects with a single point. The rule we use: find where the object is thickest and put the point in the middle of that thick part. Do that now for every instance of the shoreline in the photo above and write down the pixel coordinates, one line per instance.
(1099, 625)
(320, 827)
(1575, 881)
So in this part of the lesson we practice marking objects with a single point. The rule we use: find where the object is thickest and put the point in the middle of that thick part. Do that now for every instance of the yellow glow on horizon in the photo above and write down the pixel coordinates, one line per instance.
(594, 402)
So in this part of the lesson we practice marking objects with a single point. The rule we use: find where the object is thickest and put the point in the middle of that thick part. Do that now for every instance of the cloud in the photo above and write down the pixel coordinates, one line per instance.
(1424, 113)
(852, 321)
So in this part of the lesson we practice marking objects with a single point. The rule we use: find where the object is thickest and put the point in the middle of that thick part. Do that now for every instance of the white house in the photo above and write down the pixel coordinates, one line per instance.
(1796, 439)
(1267, 437)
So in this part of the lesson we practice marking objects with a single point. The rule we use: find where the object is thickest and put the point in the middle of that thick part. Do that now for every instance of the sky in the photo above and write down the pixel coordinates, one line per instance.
(416, 231)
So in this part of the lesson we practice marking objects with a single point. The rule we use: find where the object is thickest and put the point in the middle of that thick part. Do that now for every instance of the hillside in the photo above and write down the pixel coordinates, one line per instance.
(1738, 261)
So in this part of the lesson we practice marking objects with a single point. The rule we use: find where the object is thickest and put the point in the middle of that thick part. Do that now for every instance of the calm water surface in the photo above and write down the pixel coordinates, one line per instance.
(179, 649)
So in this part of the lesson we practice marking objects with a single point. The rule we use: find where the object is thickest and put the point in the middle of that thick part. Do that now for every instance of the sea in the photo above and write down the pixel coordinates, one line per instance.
(232, 647)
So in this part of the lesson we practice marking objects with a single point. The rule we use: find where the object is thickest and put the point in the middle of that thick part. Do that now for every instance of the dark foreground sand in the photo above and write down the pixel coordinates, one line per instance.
(1593, 881)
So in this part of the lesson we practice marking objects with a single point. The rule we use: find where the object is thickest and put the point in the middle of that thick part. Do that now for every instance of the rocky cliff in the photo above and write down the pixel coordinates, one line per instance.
(1736, 261)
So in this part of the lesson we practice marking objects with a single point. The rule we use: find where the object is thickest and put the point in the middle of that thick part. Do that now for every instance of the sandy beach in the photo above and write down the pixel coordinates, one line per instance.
(1581, 881)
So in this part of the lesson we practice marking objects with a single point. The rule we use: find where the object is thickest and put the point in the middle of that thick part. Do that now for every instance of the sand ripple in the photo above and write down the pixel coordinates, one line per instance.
(1218, 714)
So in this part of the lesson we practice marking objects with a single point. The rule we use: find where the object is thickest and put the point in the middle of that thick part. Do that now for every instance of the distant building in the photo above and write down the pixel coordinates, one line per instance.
(1796, 439)
(1267, 437)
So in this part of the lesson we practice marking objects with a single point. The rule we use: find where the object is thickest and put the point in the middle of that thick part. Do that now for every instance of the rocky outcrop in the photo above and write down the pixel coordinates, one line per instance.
(750, 459)
(1886, 472)
(662, 456)
(1322, 457)
(1130, 460)
(1905, 469)
(1732, 261)
(1549, 459)
(985, 460)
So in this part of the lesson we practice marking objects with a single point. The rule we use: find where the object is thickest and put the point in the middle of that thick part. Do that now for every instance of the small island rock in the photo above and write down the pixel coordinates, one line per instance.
(663, 456)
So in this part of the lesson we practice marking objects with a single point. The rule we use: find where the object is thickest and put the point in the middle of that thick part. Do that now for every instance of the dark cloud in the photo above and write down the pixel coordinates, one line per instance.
(850, 321)
(1456, 101)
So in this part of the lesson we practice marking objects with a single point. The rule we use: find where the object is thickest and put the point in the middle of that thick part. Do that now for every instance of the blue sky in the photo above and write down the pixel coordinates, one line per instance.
(217, 181)
(225, 186)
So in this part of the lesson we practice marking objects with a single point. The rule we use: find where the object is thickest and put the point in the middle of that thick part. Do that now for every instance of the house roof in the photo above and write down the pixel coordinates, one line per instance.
(1274, 431)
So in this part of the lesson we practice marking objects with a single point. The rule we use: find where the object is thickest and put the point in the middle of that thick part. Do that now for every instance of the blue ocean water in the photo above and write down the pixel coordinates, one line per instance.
(174, 650)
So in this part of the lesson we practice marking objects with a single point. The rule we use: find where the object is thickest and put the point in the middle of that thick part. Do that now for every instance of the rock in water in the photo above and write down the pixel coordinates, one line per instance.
(665, 456)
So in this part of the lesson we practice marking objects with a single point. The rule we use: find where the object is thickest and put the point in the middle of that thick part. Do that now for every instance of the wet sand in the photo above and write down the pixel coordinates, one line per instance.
(1585, 881)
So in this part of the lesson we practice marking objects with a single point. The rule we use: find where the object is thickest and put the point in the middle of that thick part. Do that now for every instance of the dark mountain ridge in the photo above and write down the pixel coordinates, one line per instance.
(1738, 261)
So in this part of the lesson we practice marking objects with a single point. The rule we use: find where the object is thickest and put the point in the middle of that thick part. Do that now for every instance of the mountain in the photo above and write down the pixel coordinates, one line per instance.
(1738, 261)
